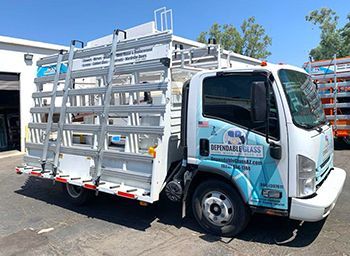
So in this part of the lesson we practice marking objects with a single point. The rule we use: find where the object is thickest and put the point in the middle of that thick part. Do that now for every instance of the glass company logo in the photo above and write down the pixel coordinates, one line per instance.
(234, 144)
(234, 137)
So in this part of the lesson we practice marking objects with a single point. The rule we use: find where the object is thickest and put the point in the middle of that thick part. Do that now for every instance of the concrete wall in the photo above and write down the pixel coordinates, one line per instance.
(12, 60)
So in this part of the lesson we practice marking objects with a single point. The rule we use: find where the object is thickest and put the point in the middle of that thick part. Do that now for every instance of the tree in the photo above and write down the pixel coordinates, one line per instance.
(332, 40)
(345, 33)
(252, 41)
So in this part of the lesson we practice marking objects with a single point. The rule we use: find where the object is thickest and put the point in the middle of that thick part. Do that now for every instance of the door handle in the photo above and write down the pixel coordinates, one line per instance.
(204, 147)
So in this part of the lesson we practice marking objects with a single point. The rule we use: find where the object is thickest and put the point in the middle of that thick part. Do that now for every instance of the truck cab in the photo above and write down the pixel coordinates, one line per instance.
(257, 140)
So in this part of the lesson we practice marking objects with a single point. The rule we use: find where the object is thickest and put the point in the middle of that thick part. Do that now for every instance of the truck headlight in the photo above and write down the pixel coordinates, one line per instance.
(306, 169)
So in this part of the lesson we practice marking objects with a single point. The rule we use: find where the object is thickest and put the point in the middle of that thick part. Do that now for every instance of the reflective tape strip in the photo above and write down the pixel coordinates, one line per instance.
(61, 179)
(38, 174)
(90, 186)
(126, 195)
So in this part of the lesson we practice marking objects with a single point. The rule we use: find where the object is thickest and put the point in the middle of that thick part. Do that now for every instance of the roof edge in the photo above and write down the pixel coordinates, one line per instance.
(31, 43)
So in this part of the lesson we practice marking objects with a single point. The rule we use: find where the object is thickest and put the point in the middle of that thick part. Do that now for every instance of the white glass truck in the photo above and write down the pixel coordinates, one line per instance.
(227, 135)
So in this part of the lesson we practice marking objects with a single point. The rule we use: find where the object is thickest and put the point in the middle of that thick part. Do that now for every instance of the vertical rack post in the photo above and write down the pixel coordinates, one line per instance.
(51, 111)
(335, 94)
(62, 118)
(101, 141)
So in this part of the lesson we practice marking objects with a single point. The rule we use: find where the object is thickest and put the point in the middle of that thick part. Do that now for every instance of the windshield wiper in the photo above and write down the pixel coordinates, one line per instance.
(307, 126)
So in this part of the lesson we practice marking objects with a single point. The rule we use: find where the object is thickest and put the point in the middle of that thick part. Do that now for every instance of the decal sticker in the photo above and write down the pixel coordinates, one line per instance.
(234, 137)
(213, 132)
(327, 148)
(50, 70)
(234, 145)
(203, 124)
(144, 53)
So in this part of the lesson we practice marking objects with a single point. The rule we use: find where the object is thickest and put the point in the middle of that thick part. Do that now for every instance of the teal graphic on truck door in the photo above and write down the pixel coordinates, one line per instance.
(237, 145)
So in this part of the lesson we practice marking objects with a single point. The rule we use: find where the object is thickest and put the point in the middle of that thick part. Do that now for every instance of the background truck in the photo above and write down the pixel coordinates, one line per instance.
(333, 82)
(135, 114)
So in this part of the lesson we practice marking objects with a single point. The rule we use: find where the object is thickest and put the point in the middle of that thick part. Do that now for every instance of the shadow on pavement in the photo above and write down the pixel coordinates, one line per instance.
(276, 230)
(128, 213)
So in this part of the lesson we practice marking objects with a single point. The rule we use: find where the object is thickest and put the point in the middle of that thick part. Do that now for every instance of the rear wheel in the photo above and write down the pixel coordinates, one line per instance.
(78, 195)
(219, 209)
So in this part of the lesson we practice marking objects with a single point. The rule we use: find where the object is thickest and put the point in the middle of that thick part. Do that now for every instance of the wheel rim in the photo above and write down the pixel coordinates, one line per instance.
(74, 191)
(217, 208)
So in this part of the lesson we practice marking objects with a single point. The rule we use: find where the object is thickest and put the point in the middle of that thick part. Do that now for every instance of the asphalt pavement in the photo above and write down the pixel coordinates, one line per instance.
(37, 219)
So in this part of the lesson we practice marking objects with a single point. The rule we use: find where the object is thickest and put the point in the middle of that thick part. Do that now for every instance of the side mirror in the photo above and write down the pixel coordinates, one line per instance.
(258, 103)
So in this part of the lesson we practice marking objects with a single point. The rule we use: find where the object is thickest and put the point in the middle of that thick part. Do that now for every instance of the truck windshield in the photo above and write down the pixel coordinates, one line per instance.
(303, 99)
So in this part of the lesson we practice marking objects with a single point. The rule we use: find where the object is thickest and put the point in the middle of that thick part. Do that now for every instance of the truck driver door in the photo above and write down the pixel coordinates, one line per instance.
(229, 140)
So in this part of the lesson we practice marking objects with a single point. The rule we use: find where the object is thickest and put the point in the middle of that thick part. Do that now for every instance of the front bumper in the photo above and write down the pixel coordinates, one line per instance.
(319, 206)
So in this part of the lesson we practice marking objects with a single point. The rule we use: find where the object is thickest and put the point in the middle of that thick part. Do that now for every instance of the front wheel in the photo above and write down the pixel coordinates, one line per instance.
(78, 195)
(219, 209)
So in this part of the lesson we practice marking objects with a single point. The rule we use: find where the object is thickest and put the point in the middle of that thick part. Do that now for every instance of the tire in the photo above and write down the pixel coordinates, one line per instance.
(78, 195)
(219, 209)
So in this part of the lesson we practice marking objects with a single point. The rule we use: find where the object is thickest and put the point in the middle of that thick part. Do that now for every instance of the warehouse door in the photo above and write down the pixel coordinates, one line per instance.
(9, 112)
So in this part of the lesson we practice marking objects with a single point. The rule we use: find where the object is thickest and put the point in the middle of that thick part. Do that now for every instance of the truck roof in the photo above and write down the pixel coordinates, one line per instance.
(248, 68)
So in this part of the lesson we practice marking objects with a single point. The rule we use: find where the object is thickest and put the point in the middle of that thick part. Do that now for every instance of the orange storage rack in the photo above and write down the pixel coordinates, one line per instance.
(333, 79)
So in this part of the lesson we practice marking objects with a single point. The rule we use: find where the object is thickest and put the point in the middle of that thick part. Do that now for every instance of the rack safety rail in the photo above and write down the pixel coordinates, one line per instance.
(108, 117)
(333, 80)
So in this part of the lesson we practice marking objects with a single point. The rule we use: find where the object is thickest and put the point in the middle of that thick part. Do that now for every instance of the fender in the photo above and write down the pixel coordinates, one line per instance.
(234, 176)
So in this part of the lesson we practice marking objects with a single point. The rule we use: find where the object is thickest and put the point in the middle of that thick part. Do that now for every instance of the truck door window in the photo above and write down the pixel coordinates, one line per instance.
(228, 98)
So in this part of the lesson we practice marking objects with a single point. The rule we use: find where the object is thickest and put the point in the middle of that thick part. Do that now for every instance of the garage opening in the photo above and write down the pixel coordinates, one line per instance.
(10, 137)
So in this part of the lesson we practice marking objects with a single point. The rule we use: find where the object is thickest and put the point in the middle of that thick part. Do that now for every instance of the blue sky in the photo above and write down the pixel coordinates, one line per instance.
(63, 20)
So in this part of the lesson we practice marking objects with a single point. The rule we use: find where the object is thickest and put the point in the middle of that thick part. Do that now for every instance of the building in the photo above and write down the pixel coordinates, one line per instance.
(17, 73)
